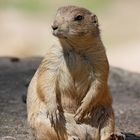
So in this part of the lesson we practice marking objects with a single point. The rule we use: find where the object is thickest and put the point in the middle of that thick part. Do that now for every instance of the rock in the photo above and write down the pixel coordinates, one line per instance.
(125, 88)
(15, 74)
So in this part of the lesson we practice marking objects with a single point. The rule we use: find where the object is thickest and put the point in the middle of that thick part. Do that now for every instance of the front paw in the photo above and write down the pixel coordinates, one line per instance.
(80, 114)
(53, 114)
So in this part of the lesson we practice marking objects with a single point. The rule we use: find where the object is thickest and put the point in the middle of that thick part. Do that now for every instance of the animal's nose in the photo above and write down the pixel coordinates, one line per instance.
(54, 27)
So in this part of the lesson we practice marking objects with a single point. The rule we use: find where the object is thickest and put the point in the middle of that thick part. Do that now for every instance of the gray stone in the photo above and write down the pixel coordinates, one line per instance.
(15, 74)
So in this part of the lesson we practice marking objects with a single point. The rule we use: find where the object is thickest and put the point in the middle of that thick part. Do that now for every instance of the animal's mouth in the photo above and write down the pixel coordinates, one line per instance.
(59, 34)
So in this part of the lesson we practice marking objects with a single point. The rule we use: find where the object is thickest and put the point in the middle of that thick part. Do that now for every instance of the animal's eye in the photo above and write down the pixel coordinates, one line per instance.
(79, 18)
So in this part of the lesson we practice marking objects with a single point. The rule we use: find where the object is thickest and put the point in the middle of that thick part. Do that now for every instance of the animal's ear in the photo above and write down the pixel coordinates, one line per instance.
(94, 20)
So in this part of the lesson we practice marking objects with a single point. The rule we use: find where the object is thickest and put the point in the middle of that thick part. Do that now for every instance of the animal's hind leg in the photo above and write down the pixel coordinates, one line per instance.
(66, 130)
(44, 131)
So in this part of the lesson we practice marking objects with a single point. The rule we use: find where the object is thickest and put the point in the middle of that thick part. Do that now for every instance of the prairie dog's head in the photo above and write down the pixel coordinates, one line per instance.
(75, 22)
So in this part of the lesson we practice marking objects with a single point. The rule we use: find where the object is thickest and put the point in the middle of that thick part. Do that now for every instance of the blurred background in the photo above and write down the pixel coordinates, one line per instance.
(25, 28)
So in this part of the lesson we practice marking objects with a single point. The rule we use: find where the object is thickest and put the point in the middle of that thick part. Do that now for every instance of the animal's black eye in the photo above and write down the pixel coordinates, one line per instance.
(79, 18)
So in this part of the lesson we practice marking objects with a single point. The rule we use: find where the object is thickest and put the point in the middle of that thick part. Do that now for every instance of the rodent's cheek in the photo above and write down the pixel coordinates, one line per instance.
(76, 32)
(64, 29)
(73, 31)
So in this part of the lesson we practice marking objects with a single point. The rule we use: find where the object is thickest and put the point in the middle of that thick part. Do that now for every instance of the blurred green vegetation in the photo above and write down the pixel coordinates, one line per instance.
(94, 4)
(48, 5)
(26, 5)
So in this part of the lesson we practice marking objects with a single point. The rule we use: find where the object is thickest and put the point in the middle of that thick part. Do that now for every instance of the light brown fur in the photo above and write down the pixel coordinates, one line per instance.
(68, 97)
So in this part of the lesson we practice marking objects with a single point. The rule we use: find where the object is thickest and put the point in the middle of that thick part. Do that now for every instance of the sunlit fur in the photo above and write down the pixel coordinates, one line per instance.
(68, 97)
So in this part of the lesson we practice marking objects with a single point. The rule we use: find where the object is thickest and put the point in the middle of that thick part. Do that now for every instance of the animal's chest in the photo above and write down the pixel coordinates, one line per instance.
(74, 75)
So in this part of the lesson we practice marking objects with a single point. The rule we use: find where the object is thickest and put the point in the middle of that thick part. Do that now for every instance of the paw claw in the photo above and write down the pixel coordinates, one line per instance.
(73, 138)
(80, 113)
(53, 115)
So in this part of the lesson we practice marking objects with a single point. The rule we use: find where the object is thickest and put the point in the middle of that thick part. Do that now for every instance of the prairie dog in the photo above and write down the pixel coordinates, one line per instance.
(68, 97)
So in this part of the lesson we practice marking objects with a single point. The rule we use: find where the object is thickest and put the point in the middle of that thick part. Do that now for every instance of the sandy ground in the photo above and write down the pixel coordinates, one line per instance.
(24, 35)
